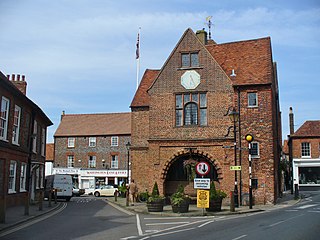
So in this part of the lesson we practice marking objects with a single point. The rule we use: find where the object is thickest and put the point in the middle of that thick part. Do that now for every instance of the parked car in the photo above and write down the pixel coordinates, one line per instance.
(105, 190)
(77, 192)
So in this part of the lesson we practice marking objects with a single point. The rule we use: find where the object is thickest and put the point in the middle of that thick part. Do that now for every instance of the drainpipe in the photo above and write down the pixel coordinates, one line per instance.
(240, 148)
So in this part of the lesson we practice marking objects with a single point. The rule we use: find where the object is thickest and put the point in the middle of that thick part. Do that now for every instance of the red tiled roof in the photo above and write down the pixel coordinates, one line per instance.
(251, 61)
(309, 129)
(141, 98)
(94, 124)
(49, 151)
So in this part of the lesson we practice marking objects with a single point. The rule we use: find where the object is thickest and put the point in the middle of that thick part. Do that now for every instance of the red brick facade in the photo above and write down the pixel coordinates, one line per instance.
(159, 146)
(26, 152)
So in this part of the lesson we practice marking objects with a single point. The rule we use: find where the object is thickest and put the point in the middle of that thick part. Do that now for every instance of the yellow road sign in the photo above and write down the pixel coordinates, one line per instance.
(235, 168)
(202, 198)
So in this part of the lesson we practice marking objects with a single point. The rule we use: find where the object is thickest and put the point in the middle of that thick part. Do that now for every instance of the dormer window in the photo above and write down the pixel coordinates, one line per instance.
(189, 59)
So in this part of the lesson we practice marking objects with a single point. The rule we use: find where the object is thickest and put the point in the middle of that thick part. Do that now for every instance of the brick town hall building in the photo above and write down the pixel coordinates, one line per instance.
(180, 117)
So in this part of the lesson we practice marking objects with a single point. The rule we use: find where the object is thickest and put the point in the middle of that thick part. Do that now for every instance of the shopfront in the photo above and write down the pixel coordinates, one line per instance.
(306, 173)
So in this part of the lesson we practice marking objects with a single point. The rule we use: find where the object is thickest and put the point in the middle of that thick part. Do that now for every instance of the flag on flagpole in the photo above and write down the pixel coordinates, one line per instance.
(138, 46)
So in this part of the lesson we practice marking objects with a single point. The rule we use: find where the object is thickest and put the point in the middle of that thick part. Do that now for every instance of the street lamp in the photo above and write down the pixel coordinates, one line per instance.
(234, 117)
(128, 145)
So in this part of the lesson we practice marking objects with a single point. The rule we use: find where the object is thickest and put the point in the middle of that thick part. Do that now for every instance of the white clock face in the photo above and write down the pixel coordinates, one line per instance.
(190, 79)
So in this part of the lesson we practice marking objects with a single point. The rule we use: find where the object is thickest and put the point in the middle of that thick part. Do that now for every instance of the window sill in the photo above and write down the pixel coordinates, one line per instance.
(16, 144)
(11, 192)
(256, 106)
(189, 68)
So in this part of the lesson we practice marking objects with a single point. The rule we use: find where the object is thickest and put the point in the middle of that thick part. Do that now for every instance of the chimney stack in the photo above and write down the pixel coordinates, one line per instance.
(63, 113)
(21, 84)
(202, 36)
(291, 121)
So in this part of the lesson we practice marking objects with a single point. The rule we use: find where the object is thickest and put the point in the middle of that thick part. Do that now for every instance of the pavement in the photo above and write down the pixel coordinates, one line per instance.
(15, 215)
(286, 200)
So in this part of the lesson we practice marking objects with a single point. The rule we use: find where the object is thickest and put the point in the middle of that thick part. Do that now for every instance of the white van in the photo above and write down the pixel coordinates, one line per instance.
(61, 182)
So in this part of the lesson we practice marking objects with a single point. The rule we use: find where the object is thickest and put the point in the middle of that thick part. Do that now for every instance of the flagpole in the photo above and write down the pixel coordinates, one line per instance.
(138, 57)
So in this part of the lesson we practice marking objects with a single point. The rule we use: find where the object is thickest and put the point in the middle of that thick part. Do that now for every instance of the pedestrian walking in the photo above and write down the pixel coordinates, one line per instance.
(132, 192)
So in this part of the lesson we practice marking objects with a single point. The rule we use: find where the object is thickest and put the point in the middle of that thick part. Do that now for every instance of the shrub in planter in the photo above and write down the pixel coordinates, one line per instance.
(180, 201)
(155, 202)
(215, 198)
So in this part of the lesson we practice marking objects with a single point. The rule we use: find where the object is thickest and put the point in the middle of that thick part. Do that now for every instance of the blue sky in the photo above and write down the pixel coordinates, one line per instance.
(79, 55)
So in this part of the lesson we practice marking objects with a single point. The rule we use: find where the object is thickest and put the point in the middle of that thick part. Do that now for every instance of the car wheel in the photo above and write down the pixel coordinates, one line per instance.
(97, 194)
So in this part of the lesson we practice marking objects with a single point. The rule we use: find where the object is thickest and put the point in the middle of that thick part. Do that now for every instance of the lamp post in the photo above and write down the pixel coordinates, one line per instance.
(128, 145)
(234, 117)
(249, 139)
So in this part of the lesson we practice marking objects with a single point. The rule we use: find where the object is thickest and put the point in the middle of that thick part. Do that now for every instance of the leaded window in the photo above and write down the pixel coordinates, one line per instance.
(191, 109)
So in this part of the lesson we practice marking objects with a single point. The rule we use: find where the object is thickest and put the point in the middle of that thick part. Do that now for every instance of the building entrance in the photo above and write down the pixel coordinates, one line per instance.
(182, 171)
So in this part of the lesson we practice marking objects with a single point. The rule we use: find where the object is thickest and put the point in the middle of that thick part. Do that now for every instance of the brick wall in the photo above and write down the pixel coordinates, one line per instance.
(82, 151)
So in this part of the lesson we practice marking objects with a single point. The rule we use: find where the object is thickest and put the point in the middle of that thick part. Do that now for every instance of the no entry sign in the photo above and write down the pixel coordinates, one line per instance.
(203, 168)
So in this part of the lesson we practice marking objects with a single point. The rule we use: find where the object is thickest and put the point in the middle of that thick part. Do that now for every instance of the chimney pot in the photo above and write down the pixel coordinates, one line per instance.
(23, 78)
(13, 77)
(18, 77)
(8, 76)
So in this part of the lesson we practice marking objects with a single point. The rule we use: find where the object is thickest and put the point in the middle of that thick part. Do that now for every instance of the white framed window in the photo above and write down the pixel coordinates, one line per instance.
(70, 163)
(23, 177)
(92, 162)
(16, 125)
(71, 142)
(252, 99)
(114, 161)
(35, 131)
(4, 118)
(114, 141)
(38, 178)
(255, 150)
(43, 141)
(305, 150)
(12, 177)
(92, 141)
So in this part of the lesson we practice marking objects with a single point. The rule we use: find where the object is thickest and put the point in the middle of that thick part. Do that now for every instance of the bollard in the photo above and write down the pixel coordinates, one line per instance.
(232, 207)
(116, 195)
(40, 200)
(50, 198)
(296, 191)
(55, 196)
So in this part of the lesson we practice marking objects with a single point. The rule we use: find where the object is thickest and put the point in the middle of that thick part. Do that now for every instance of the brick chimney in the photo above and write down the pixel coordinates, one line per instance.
(20, 83)
(291, 121)
(203, 36)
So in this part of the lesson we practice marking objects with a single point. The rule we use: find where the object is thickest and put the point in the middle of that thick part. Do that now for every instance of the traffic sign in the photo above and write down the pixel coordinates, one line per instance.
(203, 168)
(235, 168)
(202, 198)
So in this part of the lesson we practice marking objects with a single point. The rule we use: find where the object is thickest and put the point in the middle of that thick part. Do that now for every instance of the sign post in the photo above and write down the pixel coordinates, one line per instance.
(202, 168)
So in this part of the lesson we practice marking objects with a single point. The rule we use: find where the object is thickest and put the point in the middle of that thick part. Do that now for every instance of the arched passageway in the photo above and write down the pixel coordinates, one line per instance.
(181, 170)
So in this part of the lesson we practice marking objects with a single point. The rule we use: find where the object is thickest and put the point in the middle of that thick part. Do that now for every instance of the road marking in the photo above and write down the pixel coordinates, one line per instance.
(274, 224)
(167, 233)
(242, 236)
(307, 206)
(139, 225)
(292, 210)
(166, 223)
(202, 225)
(314, 211)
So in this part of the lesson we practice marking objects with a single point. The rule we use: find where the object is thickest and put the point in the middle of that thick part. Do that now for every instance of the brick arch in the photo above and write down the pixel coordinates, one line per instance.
(177, 156)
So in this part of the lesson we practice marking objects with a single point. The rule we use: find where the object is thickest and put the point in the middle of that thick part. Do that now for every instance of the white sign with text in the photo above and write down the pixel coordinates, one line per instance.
(201, 183)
